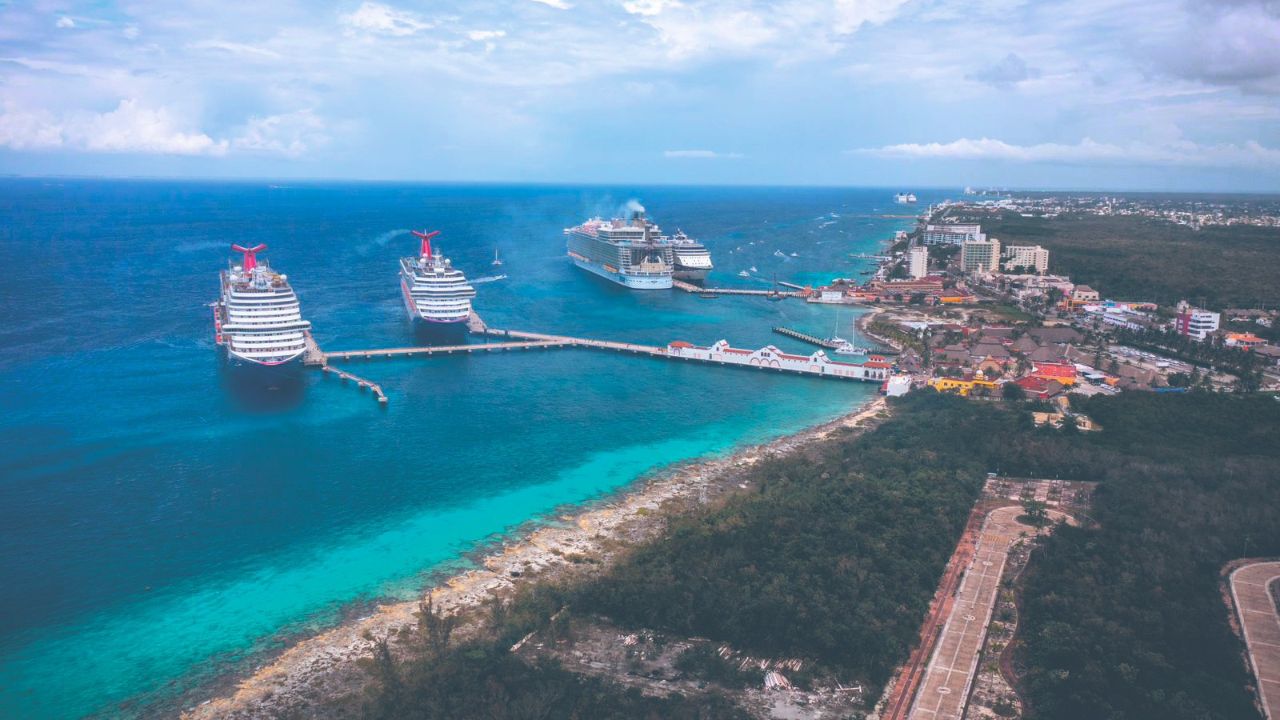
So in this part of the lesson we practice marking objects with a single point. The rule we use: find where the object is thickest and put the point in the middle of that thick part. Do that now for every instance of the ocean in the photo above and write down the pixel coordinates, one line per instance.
(162, 526)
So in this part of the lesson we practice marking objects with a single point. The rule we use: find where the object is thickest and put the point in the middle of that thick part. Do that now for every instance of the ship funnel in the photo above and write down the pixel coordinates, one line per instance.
(426, 241)
(250, 255)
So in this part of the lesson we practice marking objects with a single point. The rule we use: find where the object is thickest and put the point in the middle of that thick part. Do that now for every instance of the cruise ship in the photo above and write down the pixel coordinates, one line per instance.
(693, 261)
(256, 318)
(434, 291)
(904, 198)
(633, 253)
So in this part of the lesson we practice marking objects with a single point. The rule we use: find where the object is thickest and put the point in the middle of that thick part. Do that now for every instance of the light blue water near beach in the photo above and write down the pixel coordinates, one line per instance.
(160, 526)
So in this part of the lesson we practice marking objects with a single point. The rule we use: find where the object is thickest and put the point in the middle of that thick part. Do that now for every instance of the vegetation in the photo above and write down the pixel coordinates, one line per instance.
(1136, 258)
(1127, 620)
(834, 556)
(1210, 353)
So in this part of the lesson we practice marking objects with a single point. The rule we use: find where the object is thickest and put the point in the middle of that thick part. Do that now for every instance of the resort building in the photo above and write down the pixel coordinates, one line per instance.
(1195, 323)
(1027, 256)
(1084, 295)
(980, 256)
(918, 262)
(952, 234)
(1248, 341)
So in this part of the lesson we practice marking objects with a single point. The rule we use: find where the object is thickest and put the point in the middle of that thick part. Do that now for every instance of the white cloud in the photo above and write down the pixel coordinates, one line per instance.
(648, 7)
(1088, 151)
(131, 127)
(557, 4)
(853, 14)
(235, 48)
(385, 20)
(482, 35)
(700, 155)
(65, 22)
(290, 134)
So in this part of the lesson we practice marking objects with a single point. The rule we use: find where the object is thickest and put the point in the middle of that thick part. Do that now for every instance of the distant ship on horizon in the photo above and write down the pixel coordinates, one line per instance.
(434, 291)
(257, 319)
(904, 198)
(633, 253)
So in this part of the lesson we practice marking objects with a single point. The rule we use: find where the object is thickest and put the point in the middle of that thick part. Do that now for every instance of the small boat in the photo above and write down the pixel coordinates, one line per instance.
(744, 273)
(496, 260)
(774, 296)
(753, 269)
(844, 347)
(795, 255)
(779, 253)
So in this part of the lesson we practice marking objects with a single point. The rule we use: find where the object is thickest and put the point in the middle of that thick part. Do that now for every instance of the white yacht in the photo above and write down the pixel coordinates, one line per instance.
(693, 261)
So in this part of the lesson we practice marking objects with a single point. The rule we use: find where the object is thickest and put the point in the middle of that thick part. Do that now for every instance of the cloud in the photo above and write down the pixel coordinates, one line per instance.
(648, 7)
(853, 14)
(235, 48)
(482, 35)
(1009, 71)
(385, 20)
(131, 127)
(1233, 44)
(290, 134)
(1249, 154)
(557, 4)
(700, 155)
(65, 22)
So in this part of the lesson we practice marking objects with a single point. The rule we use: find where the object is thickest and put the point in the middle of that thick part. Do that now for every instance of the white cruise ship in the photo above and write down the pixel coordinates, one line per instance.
(257, 319)
(693, 261)
(631, 253)
(434, 291)
(904, 198)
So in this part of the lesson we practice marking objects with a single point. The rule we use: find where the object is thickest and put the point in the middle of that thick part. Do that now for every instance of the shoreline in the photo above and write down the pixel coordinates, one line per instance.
(310, 674)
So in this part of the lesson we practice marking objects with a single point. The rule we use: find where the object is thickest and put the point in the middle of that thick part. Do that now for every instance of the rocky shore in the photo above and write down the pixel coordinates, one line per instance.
(312, 678)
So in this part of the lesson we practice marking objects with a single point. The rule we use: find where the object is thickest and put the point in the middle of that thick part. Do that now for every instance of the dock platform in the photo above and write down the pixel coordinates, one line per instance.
(806, 337)
(691, 288)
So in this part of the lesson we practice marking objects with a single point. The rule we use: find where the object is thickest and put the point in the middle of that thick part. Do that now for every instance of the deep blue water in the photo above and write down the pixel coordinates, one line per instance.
(157, 525)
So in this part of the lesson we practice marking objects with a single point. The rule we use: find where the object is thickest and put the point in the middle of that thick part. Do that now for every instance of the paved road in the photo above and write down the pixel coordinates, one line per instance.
(945, 689)
(1261, 623)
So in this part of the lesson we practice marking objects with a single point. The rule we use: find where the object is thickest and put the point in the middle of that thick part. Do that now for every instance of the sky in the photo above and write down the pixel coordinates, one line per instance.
(1081, 94)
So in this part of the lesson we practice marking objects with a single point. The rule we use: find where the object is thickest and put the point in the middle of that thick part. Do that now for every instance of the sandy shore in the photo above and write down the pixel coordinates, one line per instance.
(305, 679)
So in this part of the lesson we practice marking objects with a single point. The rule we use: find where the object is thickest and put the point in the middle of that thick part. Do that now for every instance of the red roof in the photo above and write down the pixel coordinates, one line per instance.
(876, 364)
(1034, 385)
(1055, 370)
(680, 344)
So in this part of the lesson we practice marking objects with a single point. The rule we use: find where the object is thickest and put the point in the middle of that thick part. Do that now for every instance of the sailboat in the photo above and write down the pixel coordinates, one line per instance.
(496, 260)
(842, 346)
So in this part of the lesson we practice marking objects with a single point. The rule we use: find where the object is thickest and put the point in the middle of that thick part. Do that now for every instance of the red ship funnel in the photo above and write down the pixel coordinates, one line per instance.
(250, 255)
(426, 240)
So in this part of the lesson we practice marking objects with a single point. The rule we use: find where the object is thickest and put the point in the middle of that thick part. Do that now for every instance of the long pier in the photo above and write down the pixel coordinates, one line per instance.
(806, 337)
(441, 349)
(769, 358)
(691, 288)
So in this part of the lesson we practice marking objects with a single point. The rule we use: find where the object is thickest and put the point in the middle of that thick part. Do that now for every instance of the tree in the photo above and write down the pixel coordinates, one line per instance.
(1037, 512)
(1013, 392)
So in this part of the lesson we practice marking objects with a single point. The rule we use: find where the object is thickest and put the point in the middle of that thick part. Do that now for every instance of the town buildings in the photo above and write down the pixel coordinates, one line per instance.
(980, 256)
(1195, 323)
(1027, 256)
(918, 262)
(952, 234)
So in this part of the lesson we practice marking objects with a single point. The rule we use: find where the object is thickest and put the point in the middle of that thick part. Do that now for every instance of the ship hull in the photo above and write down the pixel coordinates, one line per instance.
(691, 274)
(660, 282)
(419, 319)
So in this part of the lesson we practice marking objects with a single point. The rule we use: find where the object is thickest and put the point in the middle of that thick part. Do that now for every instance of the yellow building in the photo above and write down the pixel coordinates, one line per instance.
(960, 387)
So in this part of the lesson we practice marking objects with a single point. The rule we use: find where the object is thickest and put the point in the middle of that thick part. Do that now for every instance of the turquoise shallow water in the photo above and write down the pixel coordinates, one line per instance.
(160, 525)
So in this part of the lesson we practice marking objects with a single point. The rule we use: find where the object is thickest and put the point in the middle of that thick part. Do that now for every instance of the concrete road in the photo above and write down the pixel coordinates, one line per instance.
(1261, 624)
(949, 677)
